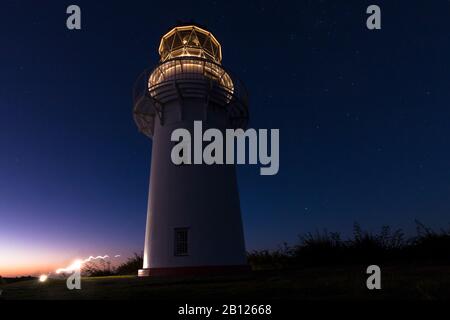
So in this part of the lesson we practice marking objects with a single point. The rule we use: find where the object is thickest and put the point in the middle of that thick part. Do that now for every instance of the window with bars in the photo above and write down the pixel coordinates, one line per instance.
(181, 242)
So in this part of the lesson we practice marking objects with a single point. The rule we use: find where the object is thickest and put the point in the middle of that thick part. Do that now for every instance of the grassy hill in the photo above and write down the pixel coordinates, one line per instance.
(320, 266)
(349, 282)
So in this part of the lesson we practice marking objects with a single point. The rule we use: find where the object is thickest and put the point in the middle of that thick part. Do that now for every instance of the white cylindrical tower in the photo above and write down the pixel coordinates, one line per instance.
(194, 220)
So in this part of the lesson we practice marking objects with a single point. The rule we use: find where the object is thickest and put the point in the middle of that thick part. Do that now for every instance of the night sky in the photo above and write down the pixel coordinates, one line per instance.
(363, 118)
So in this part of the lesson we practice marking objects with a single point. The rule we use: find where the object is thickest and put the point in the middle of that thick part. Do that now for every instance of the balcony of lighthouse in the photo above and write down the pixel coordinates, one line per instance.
(189, 72)
(188, 78)
(192, 76)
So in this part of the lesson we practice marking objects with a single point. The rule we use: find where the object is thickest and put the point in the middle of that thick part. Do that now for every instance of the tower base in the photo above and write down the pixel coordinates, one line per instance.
(198, 271)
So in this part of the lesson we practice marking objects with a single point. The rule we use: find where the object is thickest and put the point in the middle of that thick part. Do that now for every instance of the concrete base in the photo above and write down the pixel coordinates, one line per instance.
(189, 271)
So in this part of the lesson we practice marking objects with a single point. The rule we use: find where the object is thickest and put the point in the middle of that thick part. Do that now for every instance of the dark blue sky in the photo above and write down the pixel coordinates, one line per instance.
(363, 117)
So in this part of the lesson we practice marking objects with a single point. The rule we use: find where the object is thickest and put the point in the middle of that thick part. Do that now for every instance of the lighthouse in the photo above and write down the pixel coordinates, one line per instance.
(194, 223)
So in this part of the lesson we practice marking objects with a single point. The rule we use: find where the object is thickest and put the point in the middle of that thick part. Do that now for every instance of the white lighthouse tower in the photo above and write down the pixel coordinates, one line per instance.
(194, 223)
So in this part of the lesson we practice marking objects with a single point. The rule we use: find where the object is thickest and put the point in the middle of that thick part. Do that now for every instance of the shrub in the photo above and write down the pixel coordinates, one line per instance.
(131, 266)
(101, 268)
(388, 246)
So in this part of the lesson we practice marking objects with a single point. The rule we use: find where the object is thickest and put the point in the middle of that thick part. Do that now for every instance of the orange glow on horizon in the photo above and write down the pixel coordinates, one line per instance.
(37, 266)
(17, 262)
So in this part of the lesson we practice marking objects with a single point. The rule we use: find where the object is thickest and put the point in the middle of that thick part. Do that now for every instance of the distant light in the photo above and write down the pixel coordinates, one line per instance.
(76, 265)
(43, 278)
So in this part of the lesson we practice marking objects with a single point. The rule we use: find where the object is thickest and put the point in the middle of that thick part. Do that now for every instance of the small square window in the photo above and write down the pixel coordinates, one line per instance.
(181, 242)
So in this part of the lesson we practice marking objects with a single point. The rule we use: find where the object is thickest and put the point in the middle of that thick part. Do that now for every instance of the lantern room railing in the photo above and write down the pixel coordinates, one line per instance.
(188, 78)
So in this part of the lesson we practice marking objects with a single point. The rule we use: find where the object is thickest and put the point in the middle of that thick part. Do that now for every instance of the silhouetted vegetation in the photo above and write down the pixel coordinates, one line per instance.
(103, 268)
(388, 246)
(329, 249)
(131, 266)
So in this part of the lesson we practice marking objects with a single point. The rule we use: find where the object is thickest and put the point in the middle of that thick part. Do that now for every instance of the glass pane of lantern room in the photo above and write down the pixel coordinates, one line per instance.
(215, 50)
(207, 47)
(170, 41)
(177, 41)
(194, 41)
(201, 38)
(184, 36)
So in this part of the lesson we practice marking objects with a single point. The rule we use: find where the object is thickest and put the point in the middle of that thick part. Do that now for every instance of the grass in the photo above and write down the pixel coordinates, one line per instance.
(337, 283)
(320, 266)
